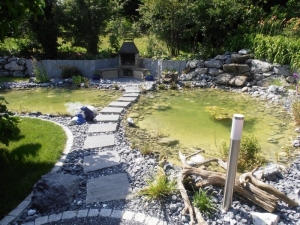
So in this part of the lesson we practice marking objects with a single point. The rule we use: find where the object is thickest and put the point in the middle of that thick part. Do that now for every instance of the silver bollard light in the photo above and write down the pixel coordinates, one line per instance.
(235, 140)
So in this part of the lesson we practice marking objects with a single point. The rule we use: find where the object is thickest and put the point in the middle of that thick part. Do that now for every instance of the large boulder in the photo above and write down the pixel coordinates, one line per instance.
(237, 58)
(282, 71)
(54, 191)
(214, 64)
(239, 81)
(230, 68)
(224, 78)
(13, 65)
(200, 71)
(215, 72)
(258, 66)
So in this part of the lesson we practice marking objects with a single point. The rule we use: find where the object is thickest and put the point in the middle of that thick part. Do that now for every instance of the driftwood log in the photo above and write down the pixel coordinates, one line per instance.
(246, 185)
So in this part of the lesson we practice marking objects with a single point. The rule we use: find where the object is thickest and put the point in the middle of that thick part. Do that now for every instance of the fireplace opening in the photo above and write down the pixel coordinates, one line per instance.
(127, 72)
(127, 59)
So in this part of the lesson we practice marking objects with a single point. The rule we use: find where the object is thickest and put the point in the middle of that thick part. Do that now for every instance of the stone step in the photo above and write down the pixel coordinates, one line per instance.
(131, 95)
(101, 161)
(112, 110)
(119, 104)
(108, 188)
(103, 127)
(127, 99)
(132, 90)
(99, 141)
(107, 118)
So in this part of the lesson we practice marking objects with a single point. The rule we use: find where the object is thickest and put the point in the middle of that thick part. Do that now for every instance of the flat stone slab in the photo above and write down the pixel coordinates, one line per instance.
(99, 141)
(119, 104)
(131, 95)
(112, 110)
(107, 118)
(108, 188)
(132, 90)
(127, 99)
(102, 160)
(103, 127)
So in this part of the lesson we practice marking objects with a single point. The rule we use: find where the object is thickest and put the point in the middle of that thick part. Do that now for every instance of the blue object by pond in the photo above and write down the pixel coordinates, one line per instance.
(80, 119)
(149, 78)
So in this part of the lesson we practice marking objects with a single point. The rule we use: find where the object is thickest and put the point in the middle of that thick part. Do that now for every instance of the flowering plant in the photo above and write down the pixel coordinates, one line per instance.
(296, 76)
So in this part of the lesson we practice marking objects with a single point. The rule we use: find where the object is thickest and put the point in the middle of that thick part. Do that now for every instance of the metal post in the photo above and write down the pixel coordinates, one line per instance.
(159, 69)
(235, 139)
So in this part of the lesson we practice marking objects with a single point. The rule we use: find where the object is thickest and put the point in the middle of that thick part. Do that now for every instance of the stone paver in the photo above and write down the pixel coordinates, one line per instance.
(132, 90)
(112, 110)
(68, 215)
(99, 141)
(127, 99)
(17, 211)
(128, 215)
(82, 213)
(41, 220)
(55, 217)
(103, 128)
(93, 212)
(28, 223)
(116, 214)
(107, 118)
(6, 220)
(108, 188)
(140, 217)
(119, 104)
(153, 221)
(100, 161)
(131, 95)
(105, 212)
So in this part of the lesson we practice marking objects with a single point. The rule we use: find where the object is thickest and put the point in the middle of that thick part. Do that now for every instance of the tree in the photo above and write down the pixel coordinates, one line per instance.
(12, 12)
(46, 29)
(85, 20)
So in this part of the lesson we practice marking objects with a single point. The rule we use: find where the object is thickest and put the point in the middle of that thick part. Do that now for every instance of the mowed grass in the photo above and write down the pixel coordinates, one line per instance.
(32, 154)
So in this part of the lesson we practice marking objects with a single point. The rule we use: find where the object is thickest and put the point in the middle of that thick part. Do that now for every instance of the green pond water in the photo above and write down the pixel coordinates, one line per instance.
(184, 116)
(57, 100)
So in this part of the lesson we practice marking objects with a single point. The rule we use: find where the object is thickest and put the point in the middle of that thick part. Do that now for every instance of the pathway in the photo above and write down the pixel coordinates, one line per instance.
(106, 188)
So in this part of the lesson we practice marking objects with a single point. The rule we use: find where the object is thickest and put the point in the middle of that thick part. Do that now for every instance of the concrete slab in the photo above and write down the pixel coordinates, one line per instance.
(116, 214)
(131, 95)
(119, 104)
(100, 161)
(112, 110)
(107, 118)
(108, 188)
(99, 141)
(127, 99)
(103, 127)
(132, 90)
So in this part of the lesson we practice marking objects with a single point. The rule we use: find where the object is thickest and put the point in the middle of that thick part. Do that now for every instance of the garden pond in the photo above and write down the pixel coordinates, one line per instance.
(57, 100)
(201, 119)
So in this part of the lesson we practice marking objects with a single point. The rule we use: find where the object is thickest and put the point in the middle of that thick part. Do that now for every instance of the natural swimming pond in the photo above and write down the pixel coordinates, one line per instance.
(186, 116)
(57, 100)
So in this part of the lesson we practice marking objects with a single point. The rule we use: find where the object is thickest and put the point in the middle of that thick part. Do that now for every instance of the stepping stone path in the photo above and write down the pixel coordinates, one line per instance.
(110, 187)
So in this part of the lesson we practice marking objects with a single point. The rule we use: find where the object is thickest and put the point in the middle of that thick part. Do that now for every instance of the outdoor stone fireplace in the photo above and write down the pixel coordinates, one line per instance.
(129, 61)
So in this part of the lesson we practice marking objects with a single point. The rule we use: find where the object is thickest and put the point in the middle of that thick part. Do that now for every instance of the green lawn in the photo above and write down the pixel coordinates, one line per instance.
(33, 154)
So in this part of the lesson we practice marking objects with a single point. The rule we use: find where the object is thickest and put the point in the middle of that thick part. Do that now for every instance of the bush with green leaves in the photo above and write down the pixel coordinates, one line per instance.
(159, 187)
(39, 71)
(69, 72)
(250, 155)
(77, 80)
(203, 202)
(8, 123)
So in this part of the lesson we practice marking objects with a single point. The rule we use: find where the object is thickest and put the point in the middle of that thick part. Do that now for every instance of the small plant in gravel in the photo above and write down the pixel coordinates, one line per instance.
(250, 153)
(159, 187)
(162, 86)
(296, 112)
(187, 85)
(173, 86)
(146, 149)
(204, 202)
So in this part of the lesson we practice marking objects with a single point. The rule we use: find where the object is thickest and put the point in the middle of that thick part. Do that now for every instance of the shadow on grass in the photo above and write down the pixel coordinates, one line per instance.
(18, 174)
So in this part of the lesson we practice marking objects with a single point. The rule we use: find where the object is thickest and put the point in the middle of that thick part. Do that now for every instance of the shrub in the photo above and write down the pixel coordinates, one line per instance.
(69, 72)
(162, 86)
(204, 202)
(8, 123)
(159, 187)
(296, 112)
(77, 80)
(249, 155)
(173, 86)
(39, 72)
(146, 149)
(187, 85)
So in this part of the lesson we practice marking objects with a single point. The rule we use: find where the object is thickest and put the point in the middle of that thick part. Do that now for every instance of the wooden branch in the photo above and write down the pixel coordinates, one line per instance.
(196, 153)
(199, 217)
(267, 188)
